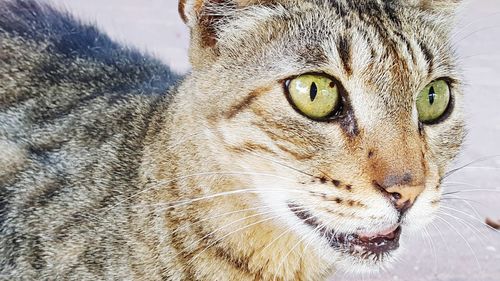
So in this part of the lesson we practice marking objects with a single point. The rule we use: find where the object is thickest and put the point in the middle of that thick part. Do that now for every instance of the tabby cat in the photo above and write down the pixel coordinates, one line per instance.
(309, 136)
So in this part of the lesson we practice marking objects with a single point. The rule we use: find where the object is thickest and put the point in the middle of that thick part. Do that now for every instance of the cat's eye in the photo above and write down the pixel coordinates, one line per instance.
(315, 96)
(433, 101)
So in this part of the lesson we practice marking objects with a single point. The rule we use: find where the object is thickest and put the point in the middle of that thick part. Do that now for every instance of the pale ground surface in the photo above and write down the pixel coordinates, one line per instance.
(464, 250)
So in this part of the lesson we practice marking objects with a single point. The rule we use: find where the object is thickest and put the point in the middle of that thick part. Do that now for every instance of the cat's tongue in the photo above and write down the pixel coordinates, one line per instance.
(389, 233)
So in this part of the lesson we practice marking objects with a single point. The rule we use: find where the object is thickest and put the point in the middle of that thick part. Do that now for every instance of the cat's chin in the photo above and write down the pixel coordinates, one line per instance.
(354, 264)
(358, 258)
(357, 252)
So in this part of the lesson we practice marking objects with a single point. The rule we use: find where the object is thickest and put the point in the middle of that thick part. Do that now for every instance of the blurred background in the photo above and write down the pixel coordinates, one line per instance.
(457, 246)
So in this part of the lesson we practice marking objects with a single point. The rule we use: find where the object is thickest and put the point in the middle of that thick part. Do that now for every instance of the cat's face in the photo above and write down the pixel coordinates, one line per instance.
(345, 115)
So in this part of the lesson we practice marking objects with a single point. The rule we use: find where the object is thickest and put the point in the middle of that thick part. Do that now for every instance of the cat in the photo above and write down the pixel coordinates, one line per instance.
(307, 138)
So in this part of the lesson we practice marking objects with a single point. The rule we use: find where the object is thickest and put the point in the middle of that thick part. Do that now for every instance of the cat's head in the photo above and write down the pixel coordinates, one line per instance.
(345, 114)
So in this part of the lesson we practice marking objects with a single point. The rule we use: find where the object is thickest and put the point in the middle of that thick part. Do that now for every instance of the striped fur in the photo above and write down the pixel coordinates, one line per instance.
(102, 152)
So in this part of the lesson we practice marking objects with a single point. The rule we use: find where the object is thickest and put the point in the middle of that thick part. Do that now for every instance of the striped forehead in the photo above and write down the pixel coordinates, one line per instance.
(375, 52)
(386, 46)
(377, 39)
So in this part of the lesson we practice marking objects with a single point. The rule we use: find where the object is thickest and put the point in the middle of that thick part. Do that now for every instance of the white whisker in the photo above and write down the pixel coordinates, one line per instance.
(234, 231)
(470, 216)
(463, 238)
(482, 159)
(465, 223)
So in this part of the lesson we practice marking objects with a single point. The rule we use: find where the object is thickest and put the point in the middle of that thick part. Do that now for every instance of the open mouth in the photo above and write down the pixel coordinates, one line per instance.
(366, 246)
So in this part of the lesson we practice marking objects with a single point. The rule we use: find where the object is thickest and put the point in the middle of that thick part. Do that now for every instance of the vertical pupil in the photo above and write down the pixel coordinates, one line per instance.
(432, 95)
(314, 91)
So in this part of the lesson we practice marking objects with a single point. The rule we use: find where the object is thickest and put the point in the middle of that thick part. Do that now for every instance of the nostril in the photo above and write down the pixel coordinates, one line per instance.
(396, 196)
(393, 196)
(402, 197)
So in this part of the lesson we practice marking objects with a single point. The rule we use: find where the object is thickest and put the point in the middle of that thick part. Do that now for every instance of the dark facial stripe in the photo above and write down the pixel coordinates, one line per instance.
(369, 41)
(391, 13)
(241, 263)
(407, 44)
(365, 8)
(245, 103)
(312, 55)
(285, 143)
(429, 57)
(182, 255)
(339, 8)
(383, 18)
(217, 250)
(252, 147)
(297, 155)
(344, 49)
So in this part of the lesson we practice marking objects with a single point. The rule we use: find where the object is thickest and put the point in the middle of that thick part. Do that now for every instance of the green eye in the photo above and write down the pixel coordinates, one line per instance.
(433, 101)
(314, 96)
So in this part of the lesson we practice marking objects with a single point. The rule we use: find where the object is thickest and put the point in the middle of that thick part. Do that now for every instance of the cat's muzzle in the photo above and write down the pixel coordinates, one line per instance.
(373, 246)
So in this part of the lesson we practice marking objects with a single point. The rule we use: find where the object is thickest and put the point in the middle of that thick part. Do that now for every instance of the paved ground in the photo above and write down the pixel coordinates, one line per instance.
(462, 250)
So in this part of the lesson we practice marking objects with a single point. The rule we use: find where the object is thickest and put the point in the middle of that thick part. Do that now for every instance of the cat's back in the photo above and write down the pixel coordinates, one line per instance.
(74, 108)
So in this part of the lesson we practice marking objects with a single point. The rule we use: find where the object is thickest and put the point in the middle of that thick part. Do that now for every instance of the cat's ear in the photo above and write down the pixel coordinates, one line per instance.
(193, 11)
(203, 18)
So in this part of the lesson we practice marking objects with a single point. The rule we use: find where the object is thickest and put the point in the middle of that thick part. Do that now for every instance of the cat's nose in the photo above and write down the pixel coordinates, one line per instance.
(401, 195)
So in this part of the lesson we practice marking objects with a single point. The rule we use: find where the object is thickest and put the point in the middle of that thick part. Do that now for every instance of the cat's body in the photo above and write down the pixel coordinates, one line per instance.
(75, 108)
(101, 150)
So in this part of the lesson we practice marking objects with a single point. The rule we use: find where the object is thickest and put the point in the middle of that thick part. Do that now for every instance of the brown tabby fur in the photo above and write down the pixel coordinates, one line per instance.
(112, 170)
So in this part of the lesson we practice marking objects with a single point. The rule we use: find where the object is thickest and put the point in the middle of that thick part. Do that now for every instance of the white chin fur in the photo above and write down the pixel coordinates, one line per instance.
(352, 265)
